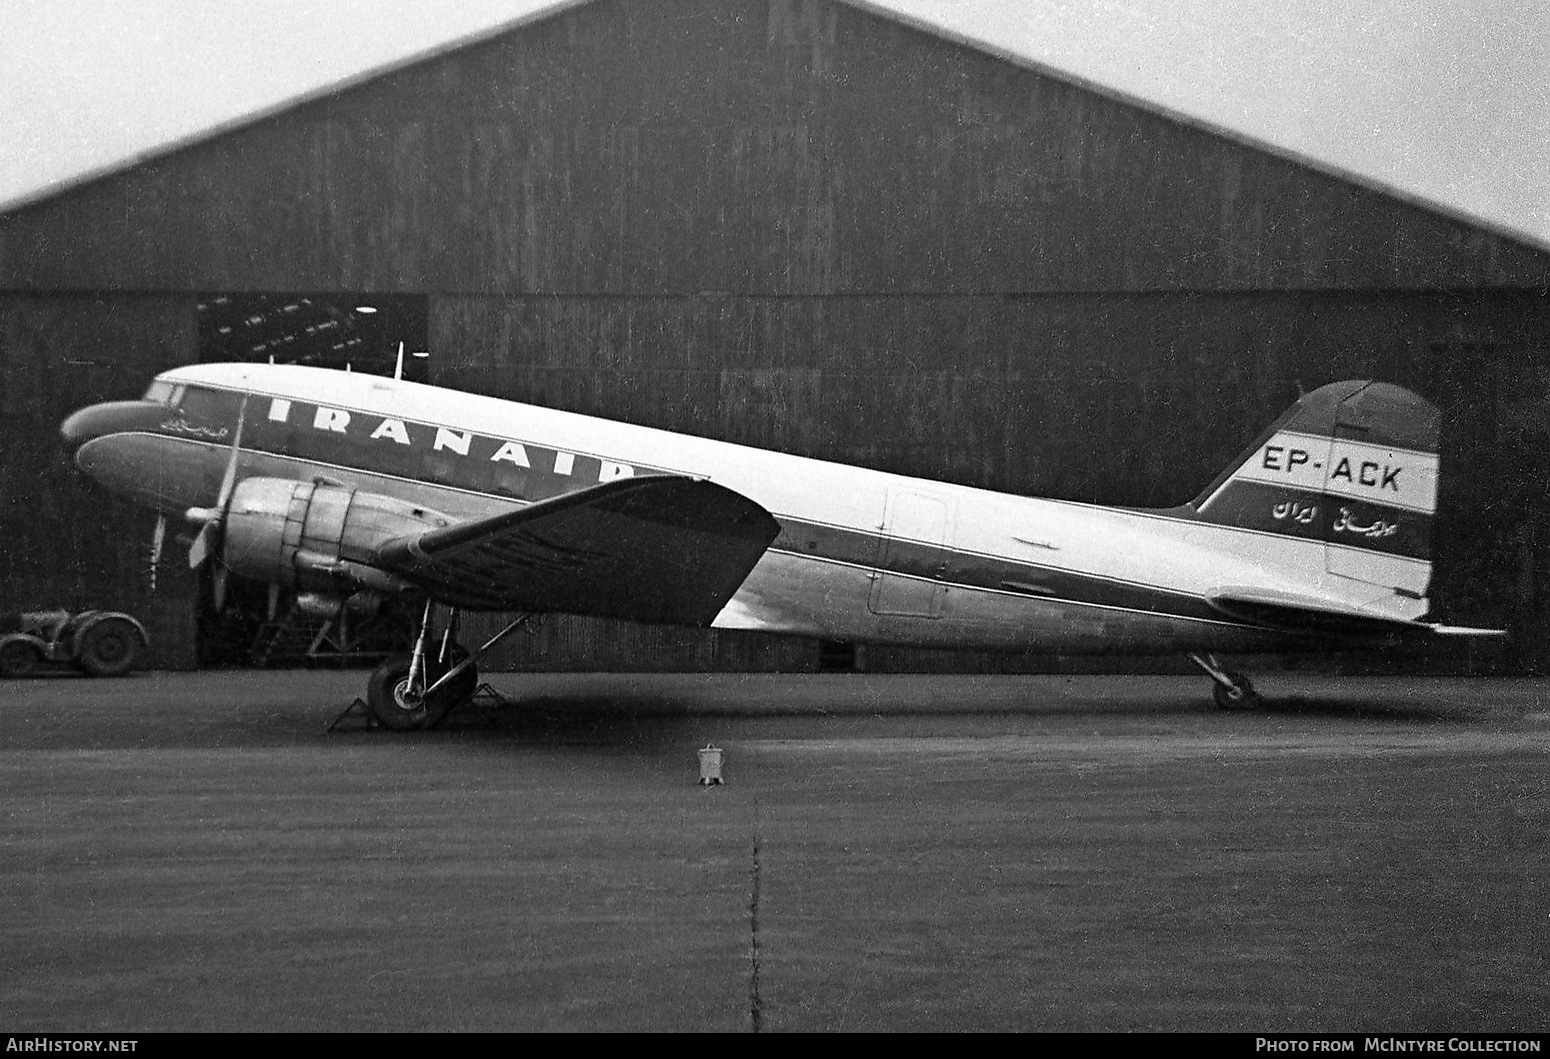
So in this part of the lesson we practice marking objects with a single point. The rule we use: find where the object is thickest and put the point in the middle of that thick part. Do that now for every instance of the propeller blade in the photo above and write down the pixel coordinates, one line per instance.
(229, 479)
(218, 586)
(208, 541)
(158, 538)
(203, 546)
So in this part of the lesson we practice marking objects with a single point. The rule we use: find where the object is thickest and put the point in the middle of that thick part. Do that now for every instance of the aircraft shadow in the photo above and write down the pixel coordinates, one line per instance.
(1397, 710)
(604, 721)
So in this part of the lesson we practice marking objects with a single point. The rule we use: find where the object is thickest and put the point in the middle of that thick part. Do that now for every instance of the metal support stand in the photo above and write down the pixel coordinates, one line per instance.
(485, 701)
(365, 710)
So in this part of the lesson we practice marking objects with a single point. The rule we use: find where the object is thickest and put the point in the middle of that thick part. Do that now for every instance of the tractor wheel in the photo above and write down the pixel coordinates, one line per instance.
(108, 647)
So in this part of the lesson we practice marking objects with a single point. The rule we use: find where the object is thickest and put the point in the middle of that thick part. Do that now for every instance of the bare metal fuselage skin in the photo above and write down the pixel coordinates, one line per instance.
(862, 556)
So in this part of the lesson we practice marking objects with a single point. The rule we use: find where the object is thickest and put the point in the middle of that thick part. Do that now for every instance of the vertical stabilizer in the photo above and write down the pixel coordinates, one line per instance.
(1353, 466)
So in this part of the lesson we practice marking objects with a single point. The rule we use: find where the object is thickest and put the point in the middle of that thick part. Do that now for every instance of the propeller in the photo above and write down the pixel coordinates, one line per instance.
(211, 534)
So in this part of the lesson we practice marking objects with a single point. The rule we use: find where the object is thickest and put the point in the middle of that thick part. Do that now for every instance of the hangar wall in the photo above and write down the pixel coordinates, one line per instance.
(799, 224)
(63, 543)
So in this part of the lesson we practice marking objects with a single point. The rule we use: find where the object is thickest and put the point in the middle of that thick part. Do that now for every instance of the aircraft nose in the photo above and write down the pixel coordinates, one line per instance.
(95, 421)
(77, 429)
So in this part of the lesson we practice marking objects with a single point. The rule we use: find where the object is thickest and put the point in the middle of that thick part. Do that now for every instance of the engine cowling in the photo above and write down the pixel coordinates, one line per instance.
(317, 536)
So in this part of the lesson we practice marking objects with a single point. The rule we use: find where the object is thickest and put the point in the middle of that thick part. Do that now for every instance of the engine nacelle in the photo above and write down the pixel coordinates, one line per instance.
(317, 536)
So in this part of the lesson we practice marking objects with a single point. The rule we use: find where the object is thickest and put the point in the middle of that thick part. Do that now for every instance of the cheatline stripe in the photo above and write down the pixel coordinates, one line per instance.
(870, 550)
(1336, 522)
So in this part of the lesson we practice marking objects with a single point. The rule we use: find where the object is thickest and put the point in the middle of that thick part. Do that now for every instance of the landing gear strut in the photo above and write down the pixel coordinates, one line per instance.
(1230, 688)
(410, 692)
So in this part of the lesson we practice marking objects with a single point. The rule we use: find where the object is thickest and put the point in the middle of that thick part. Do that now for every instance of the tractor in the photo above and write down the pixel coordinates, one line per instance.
(100, 643)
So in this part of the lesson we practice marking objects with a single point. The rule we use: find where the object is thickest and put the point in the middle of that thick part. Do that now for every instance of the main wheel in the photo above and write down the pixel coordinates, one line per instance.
(108, 647)
(18, 658)
(398, 707)
(1241, 696)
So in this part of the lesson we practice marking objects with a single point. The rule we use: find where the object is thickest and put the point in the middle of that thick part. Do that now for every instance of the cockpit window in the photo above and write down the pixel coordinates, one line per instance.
(210, 406)
(160, 392)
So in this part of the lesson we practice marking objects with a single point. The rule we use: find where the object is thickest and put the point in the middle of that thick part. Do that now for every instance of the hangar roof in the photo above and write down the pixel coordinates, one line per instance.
(1120, 46)
(1488, 244)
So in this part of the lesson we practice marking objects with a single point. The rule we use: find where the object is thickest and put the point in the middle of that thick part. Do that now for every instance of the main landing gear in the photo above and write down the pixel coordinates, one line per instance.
(1231, 689)
(410, 692)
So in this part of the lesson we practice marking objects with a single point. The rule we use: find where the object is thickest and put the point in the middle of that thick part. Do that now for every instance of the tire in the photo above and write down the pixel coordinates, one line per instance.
(19, 658)
(388, 699)
(1241, 696)
(108, 647)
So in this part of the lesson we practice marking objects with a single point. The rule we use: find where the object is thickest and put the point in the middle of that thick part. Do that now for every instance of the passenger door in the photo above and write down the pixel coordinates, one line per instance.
(911, 556)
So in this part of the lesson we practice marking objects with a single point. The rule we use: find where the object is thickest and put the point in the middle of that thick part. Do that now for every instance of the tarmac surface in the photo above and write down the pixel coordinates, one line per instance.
(199, 852)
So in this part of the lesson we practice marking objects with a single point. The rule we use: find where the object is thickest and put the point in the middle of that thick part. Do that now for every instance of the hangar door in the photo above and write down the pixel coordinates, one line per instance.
(248, 622)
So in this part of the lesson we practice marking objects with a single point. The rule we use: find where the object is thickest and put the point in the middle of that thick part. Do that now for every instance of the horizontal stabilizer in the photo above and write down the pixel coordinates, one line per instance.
(1294, 613)
(658, 548)
(1464, 631)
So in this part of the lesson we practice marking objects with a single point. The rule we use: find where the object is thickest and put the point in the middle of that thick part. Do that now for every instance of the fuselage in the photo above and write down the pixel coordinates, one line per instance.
(862, 555)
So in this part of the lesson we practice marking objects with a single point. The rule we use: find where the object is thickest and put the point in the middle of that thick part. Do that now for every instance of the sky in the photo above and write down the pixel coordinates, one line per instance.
(1444, 100)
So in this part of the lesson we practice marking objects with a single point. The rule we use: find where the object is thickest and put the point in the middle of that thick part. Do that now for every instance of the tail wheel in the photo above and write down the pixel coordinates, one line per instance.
(18, 658)
(109, 647)
(399, 707)
(1239, 696)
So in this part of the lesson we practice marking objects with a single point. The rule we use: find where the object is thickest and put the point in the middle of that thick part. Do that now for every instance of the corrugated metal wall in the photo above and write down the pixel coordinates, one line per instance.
(796, 224)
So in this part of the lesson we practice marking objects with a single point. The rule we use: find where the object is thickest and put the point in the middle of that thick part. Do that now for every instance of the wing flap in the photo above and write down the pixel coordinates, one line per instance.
(657, 548)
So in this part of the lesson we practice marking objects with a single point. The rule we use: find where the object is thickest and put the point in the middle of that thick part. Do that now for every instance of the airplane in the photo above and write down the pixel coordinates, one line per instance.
(350, 488)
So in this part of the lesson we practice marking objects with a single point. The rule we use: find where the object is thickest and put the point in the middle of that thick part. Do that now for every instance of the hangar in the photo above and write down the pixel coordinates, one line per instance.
(799, 224)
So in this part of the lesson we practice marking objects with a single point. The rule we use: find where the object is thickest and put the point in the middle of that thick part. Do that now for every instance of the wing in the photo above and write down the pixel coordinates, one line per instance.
(1310, 616)
(657, 548)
